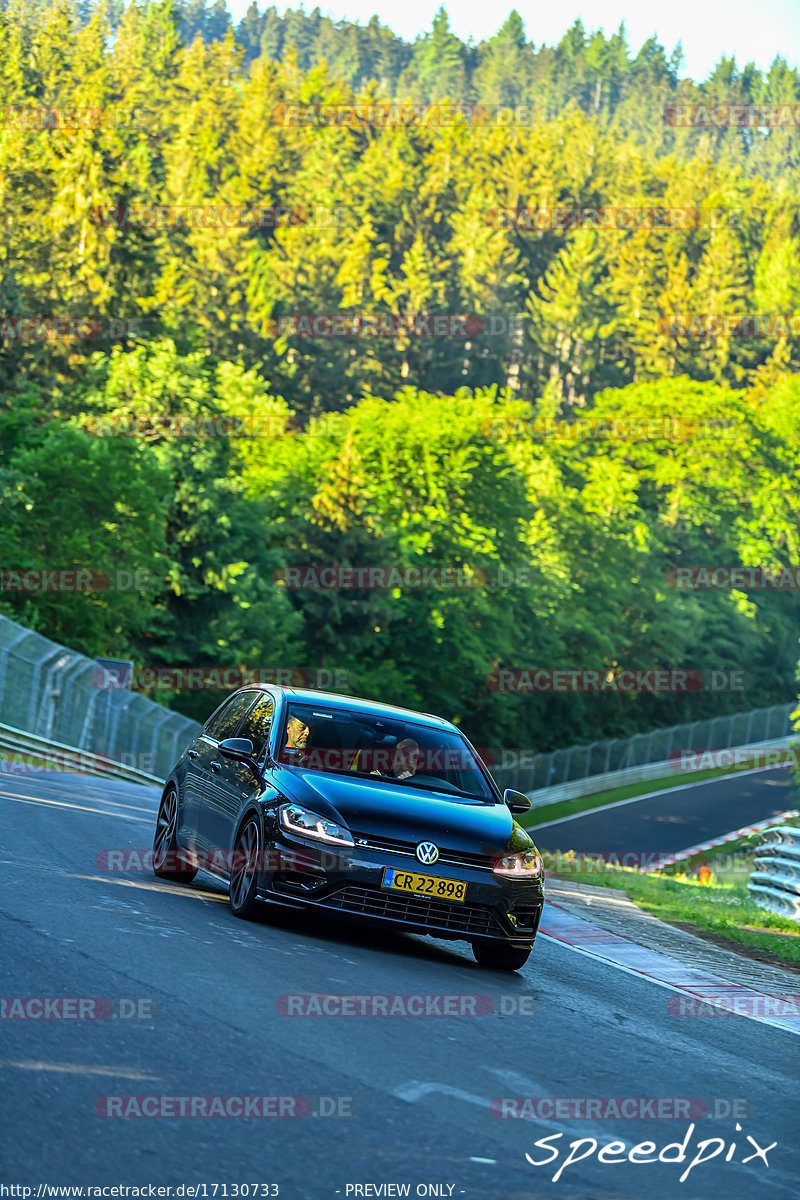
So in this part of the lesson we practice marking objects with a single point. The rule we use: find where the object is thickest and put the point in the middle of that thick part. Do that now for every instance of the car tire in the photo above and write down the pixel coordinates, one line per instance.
(500, 956)
(165, 848)
(243, 886)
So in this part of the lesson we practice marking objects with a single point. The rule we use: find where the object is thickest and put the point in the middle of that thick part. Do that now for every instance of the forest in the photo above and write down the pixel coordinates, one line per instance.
(272, 297)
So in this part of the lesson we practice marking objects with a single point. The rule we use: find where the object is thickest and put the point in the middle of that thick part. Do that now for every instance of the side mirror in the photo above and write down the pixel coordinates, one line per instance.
(516, 801)
(241, 750)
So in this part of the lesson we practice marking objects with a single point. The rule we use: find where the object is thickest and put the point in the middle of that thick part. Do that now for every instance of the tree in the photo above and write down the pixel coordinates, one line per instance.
(438, 62)
(250, 30)
(504, 73)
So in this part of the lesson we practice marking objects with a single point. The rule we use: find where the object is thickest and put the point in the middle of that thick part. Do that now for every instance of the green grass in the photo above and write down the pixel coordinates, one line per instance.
(565, 808)
(723, 907)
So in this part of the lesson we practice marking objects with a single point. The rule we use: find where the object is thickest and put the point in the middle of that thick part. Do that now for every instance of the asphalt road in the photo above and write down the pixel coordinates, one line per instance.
(418, 1089)
(668, 822)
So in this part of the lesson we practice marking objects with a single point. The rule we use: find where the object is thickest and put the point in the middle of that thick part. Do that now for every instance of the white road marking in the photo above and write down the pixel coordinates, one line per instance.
(415, 1090)
(101, 812)
(602, 808)
(669, 965)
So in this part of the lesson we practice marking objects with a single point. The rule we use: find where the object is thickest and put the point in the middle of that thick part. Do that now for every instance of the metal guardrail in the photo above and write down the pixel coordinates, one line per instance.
(528, 772)
(775, 883)
(43, 755)
(754, 755)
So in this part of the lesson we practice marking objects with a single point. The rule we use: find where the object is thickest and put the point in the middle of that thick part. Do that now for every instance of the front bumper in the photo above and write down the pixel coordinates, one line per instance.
(348, 883)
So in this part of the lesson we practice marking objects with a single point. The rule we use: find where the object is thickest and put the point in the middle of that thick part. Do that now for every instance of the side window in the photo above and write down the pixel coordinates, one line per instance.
(257, 724)
(225, 723)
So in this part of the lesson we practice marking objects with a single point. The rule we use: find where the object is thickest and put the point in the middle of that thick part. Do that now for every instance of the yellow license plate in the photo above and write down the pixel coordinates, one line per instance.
(424, 885)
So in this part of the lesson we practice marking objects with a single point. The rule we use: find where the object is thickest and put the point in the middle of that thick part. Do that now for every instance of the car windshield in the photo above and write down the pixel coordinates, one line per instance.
(386, 749)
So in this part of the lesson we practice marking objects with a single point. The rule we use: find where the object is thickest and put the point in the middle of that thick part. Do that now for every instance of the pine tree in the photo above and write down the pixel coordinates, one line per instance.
(439, 63)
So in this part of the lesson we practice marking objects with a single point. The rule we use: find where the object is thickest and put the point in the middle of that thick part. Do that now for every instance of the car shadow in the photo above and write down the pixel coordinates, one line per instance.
(333, 930)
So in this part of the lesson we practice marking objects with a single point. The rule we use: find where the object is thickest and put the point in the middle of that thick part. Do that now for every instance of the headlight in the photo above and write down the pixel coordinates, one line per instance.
(309, 824)
(519, 865)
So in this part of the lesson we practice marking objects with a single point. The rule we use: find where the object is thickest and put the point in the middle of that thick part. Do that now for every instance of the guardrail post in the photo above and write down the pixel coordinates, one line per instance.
(5, 654)
(154, 740)
(36, 674)
(89, 715)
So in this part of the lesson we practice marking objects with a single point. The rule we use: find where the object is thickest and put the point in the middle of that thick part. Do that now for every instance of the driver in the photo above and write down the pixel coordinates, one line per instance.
(298, 737)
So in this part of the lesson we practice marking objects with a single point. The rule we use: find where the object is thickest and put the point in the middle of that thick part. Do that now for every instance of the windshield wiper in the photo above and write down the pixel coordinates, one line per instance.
(346, 771)
(441, 791)
(422, 787)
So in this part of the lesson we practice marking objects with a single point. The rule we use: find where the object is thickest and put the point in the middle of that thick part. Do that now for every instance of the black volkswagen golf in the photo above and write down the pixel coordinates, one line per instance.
(313, 800)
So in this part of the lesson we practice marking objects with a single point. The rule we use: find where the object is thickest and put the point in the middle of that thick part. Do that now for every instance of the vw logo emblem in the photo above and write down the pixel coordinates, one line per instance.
(427, 852)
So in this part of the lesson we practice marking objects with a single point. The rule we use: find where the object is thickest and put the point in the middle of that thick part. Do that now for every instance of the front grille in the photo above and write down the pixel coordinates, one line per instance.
(452, 858)
(438, 914)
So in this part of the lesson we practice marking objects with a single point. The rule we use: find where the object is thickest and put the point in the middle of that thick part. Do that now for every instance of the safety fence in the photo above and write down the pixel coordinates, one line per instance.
(56, 694)
(529, 773)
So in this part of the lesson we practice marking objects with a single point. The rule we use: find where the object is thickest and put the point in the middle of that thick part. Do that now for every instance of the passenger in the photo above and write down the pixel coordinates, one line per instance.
(406, 759)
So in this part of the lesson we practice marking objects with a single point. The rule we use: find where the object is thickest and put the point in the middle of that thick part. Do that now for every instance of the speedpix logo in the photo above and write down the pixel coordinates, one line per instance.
(616, 1152)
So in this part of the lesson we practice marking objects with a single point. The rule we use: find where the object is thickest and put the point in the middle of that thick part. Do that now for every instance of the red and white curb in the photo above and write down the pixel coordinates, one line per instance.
(702, 993)
(669, 859)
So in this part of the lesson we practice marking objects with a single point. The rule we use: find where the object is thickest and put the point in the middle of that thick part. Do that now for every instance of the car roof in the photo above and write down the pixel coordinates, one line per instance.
(359, 704)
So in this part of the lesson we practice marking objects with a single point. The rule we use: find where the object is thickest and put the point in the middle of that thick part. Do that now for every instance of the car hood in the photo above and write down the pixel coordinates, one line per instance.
(380, 809)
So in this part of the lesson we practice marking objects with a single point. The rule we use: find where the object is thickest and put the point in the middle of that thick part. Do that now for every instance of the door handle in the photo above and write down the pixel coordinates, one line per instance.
(193, 753)
(215, 766)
